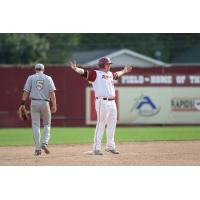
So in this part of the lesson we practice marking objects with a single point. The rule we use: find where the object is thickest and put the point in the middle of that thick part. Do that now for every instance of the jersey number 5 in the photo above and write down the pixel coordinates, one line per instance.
(39, 84)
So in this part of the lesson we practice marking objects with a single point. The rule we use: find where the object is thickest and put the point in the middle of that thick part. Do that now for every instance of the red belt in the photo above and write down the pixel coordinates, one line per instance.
(104, 98)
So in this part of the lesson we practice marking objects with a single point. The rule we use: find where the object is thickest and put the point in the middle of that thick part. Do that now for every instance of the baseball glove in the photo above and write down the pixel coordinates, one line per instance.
(23, 113)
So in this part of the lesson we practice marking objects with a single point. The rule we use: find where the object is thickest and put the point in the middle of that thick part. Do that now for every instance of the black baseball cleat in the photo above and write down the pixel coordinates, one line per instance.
(38, 152)
(45, 148)
(114, 151)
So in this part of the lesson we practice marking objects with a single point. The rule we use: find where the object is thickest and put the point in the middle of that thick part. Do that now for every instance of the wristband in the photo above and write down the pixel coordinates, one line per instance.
(23, 102)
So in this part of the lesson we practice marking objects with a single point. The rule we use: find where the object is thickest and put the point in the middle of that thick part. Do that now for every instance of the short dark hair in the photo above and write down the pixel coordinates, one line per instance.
(39, 69)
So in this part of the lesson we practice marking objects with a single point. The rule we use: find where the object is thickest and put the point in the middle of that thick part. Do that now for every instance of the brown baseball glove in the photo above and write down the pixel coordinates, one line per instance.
(23, 113)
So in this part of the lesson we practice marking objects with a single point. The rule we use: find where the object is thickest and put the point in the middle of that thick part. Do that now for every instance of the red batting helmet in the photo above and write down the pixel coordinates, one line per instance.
(103, 61)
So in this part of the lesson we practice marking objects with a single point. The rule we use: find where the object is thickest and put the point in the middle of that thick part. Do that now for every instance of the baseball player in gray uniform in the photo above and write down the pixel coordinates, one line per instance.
(41, 89)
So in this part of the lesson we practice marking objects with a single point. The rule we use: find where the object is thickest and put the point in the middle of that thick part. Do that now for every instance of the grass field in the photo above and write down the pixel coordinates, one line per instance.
(23, 136)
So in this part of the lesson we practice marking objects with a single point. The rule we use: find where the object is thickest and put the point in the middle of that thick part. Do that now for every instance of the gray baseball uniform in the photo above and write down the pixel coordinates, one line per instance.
(39, 85)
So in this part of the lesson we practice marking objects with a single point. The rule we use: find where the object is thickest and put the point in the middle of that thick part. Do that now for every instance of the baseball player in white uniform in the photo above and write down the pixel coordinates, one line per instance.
(41, 89)
(103, 84)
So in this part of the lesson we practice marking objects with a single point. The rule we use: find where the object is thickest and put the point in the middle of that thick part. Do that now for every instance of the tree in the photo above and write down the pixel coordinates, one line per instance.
(61, 45)
(56, 48)
(22, 48)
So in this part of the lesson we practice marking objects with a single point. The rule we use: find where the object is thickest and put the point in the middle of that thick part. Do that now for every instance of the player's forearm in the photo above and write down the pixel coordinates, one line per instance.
(82, 72)
(126, 69)
(121, 73)
(79, 70)
(53, 98)
(24, 97)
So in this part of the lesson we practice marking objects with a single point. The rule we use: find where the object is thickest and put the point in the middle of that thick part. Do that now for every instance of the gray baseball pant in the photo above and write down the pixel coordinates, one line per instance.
(40, 110)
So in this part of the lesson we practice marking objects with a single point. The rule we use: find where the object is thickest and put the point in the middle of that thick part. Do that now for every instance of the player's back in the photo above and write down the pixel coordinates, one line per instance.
(40, 86)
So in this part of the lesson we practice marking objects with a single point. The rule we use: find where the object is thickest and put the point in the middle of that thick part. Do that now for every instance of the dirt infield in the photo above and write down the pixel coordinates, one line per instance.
(169, 153)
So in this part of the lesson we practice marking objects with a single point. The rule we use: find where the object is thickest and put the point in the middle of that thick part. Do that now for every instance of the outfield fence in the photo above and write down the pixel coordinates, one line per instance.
(147, 96)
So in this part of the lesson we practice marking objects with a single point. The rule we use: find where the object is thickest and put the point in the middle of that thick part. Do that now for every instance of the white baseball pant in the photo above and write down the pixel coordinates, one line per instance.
(106, 117)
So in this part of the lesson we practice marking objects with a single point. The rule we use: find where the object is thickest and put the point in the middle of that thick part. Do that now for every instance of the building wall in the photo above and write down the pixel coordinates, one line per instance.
(126, 59)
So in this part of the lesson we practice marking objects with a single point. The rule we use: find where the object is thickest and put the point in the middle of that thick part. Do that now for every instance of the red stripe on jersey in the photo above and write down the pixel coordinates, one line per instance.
(92, 75)
(115, 76)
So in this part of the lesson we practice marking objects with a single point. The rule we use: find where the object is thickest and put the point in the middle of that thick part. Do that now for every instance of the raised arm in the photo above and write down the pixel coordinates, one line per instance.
(84, 73)
(74, 67)
(126, 70)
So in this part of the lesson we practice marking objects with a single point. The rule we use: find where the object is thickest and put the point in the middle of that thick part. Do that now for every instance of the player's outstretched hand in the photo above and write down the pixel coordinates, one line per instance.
(127, 69)
(73, 65)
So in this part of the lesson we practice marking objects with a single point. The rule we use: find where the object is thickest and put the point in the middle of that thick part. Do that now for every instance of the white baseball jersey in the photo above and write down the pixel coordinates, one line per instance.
(103, 83)
(39, 85)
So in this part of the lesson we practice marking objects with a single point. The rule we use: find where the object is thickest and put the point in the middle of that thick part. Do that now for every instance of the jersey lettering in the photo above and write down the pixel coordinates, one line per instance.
(39, 84)
(103, 85)
(107, 77)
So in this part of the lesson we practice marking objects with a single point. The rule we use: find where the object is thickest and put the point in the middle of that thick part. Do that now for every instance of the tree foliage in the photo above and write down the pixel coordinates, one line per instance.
(61, 46)
(28, 48)
(22, 48)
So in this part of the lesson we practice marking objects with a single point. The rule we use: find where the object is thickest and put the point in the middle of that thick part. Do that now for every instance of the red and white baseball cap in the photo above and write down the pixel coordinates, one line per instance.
(103, 61)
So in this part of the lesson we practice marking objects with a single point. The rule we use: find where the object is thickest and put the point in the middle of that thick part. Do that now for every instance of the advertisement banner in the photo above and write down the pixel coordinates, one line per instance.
(152, 105)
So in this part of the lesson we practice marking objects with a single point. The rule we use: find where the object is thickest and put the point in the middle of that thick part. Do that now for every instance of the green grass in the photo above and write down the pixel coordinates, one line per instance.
(23, 136)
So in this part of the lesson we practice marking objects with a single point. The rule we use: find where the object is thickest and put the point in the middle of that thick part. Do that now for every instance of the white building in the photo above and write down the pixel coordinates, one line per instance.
(119, 58)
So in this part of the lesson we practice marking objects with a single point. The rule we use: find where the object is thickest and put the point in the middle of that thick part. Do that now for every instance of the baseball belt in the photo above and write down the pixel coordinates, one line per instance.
(41, 99)
(104, 98)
